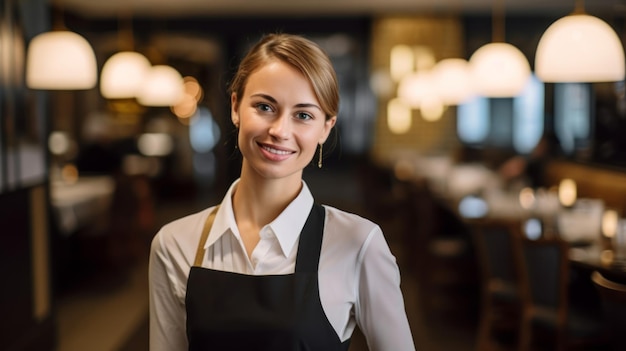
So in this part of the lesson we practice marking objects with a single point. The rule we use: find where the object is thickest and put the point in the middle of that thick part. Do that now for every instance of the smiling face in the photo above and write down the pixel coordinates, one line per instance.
(280, 122)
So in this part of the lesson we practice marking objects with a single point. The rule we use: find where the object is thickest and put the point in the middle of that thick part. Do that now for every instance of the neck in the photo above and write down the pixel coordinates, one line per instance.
(260, 200)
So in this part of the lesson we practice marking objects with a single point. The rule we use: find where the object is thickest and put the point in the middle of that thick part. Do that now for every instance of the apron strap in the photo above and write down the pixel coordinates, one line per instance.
(310, 243)
(205, 234)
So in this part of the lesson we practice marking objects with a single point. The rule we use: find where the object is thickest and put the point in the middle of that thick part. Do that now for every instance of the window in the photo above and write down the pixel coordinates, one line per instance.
(572, 116)
(507, 123)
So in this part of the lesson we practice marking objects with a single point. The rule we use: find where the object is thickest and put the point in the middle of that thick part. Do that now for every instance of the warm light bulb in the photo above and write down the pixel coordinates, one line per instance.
(527, 198)
(416, 87)
(609, 223)
(567, 192)
(432, 108)
(399, 117)
(402, 62)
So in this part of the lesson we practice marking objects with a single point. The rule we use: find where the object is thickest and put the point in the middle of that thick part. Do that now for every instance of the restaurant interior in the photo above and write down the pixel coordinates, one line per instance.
(486, 138)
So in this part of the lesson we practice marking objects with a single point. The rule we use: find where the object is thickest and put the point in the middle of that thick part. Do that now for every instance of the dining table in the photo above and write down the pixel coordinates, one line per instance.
(472, 191)
(81, 203)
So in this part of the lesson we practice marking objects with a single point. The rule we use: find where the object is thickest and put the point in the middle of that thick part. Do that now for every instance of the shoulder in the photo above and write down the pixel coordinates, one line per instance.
(348, 226)
(180, 237)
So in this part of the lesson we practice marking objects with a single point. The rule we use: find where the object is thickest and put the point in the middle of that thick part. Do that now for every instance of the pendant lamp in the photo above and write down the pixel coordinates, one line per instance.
(162, 86)
(60, 60)
(579, 48)
(123, 74)
(499, 69)
(453, 83)
(401, 62)
(413, 88)
(399, 116)
(418, 91)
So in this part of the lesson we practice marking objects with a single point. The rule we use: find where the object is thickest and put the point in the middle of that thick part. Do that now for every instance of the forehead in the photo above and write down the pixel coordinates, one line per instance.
(276, 68)
(279, 77)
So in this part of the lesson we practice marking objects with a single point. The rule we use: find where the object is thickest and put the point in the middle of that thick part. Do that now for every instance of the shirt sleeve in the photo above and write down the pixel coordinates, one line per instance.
(380, 311)
(167, 311)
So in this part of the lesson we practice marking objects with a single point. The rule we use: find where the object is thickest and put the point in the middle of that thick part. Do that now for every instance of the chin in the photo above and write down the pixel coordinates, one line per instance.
(278, 172)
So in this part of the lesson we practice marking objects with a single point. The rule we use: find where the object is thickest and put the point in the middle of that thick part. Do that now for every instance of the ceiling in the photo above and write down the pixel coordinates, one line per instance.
(195, 8)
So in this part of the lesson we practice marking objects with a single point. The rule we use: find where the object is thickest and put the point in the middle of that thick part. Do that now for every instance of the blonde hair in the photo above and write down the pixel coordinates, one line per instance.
(302, 54)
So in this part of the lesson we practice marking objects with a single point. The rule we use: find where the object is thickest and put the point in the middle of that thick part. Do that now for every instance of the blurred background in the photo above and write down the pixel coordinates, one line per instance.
(106, 137)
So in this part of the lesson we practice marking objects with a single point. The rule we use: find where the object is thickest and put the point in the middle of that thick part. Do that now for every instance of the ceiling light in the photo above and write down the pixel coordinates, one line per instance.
(416, 87)
(399, 117)
(163, 86)
(401, 62)
(452, 78)
(432, 108)
(579, 48)
(123, 74)
(567, 192)
(499, 70)
(60, 60)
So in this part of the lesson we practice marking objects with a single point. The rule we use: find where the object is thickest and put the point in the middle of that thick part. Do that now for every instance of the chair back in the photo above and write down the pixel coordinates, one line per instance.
(498, 246)
(613, 296)
(547, 269)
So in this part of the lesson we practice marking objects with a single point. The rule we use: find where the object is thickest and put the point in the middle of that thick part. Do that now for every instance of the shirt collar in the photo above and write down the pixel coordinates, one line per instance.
(287, 226)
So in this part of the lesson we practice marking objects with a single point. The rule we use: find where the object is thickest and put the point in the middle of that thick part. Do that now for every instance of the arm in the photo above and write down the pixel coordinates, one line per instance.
(167, 311)
(380, 309)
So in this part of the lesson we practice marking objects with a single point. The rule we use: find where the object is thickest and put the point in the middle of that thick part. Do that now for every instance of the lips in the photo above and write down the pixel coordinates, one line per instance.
(274, 153)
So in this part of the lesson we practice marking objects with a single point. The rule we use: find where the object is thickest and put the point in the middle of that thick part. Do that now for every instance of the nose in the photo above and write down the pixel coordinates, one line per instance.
(280, 127)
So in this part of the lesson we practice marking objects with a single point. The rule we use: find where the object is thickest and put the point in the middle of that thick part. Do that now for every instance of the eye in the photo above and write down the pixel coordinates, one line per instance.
(263, 107)
(304, 116)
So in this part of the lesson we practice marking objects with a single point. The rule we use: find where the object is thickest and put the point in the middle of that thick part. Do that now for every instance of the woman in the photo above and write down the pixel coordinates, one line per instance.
(268, 269)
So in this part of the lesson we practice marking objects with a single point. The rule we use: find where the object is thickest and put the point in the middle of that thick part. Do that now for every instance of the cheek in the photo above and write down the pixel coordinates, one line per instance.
(311, 142)
(248, 126)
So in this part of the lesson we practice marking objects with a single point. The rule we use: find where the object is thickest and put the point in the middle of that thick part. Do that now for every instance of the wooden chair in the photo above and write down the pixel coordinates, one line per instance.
(504, 289)
(613, 297)
(548, 268)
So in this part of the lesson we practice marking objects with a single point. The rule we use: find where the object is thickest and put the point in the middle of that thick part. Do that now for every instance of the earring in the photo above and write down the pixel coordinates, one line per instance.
(319, 162)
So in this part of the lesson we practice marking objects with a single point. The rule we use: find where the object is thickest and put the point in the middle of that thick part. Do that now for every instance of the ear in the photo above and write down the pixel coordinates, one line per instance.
(234, 109)
(328, 126)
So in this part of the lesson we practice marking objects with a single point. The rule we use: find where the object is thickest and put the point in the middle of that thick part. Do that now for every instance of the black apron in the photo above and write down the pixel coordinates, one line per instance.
(232, 311)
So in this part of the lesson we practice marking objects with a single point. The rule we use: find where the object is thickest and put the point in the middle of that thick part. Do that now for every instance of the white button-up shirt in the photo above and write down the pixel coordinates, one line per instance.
(359, 280)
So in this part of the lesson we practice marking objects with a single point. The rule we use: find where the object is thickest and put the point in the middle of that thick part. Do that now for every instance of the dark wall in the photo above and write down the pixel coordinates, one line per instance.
(27, 322)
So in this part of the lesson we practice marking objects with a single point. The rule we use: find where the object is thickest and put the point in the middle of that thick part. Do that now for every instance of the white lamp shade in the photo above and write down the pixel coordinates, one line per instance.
(416, 87)
(579, 48)
(123, 74)
(453, 81)
(499, 70)
(60, 60)
(399, 116)
(401, 61)
(432, 108)
(162, 86)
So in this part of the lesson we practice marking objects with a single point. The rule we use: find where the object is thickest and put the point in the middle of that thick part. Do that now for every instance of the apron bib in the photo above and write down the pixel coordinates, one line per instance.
(232, 311)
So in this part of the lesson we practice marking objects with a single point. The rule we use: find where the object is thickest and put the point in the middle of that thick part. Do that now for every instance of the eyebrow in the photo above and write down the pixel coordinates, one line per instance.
(301, 105)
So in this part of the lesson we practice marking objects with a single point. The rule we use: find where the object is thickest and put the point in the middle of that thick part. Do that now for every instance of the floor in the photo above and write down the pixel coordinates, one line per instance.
(109, 312)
